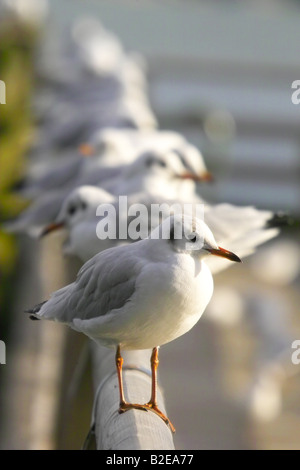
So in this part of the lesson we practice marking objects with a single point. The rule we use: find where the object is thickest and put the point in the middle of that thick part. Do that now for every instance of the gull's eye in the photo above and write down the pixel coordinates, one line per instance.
(72, 209)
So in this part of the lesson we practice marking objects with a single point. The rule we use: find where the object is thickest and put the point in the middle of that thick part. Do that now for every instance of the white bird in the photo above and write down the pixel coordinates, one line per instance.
(242, 229)
(141, 296)
(156, 173)
(88, 83)
(124, 145)
(107, 151)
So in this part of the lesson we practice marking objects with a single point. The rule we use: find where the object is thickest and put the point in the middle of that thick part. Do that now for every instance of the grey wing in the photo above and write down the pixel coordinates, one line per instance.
(98, 175)
(239, 229)
(62, 175)
(43, 211)
(103, 284)
(231, 223)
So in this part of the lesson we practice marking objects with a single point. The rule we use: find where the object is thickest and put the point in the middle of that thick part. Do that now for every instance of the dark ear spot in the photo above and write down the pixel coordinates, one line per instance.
(71, 209)
(150, 161)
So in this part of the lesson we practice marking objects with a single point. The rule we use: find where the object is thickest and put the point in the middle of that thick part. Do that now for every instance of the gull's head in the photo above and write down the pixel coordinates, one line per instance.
(190, 235)
(102, 142)
(193, 162)
(166, 165)
(80, 204)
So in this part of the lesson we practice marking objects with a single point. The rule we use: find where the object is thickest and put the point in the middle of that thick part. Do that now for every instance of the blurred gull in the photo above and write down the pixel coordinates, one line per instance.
(87, 83)
(241, 228)
(155, 173)
(279, 263)
(110, 148)
(269, 319)
(267, 315)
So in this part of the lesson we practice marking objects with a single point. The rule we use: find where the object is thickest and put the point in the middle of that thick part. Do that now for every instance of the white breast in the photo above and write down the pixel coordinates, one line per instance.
(167, 303)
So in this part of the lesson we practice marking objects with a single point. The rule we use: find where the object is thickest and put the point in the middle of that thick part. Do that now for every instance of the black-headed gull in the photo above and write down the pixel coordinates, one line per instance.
(242, 229)
(142, 295)
(107, 152)
(158, 173)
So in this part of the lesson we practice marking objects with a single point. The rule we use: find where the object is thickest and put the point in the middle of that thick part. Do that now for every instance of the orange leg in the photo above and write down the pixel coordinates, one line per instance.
(119, 365)
(152, 404)
(124, 406)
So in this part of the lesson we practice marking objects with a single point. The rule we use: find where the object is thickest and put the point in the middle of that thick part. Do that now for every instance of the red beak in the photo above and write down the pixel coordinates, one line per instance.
(51, 228)
(86, 150)
(225, 254)
(204, 177)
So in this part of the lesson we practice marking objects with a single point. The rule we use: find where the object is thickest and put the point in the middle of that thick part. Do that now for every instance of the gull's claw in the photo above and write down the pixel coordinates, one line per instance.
(147, 407)
(131, 406)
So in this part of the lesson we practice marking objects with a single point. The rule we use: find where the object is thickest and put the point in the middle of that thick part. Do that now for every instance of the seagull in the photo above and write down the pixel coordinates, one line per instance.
(124, 145)
(107, 153)
(155, 173)
(142, 295)
(242, 229)
(88, 83)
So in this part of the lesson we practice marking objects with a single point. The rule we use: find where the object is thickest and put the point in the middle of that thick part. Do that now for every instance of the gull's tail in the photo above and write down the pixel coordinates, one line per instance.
(280, 219)
(241, 229)
(34, 310)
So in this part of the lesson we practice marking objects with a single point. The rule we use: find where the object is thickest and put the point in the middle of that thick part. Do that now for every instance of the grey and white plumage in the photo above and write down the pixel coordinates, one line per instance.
(141, 295)
(109, 150)
(155, 172)
(241, 229)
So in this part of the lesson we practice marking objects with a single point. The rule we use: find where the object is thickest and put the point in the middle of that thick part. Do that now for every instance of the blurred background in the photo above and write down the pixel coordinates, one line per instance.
(220, 73)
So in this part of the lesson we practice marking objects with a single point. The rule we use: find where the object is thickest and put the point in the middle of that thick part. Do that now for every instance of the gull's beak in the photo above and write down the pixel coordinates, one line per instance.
(51, 228)
(203, 177)
(224, 254)
(207, 176)
(86, 150)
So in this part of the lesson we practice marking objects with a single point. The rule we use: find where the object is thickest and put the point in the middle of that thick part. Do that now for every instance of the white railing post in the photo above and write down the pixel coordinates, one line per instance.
(134, 429)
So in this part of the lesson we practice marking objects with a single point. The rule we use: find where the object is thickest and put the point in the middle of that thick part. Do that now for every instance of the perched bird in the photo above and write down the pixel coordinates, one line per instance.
(142, 295)
(156, 173)
(242, 229)
(87, 82)
(159, 174)
(107, 152)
